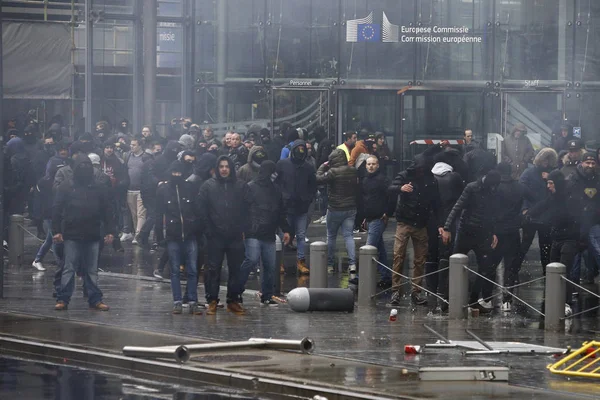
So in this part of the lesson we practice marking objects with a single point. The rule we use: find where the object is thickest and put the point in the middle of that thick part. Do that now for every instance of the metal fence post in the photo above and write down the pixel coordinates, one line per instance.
(318, 265)
(459, 287)
(276, 273)
(16, 237)
(367, 284)
(555, 295)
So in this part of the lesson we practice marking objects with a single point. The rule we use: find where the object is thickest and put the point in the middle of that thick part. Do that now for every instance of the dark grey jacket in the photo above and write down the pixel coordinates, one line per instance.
(341, 180)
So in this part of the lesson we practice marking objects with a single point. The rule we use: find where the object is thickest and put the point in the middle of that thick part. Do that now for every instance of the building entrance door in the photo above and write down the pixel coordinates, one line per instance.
(303, 107)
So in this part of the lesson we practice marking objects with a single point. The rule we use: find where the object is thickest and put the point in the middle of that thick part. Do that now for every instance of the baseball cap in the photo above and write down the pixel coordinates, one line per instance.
(574, 144)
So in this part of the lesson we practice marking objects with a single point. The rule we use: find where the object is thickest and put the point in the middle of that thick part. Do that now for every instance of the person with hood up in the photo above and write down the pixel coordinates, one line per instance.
(342, 186)
(517, 150)
(56, 132)
(203, 170)
(85, 145)
(418, 198)
(176, 204)
(249, 171)
(31, 141)
(560, 141)
(291, 136)
(187, 142)
(297, 181)
(510, 195)
(272, 149)
(534, 179)
(450, 186)
(266, 214)
(201, 148)
(573, 158)
(377, 209)
(112, 166)
(453, 158)
(478, 161)
(222, 215)
(359, 148)
(124, 127)
(153, 173)
(478, 211)
(562, 217)
(81, 211)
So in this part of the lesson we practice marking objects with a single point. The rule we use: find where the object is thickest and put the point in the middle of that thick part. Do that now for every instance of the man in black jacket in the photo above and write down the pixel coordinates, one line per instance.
(222, 215)
(298, 184)
(377, 209)
(265, 215)
(342, 186)
(510, 196)
(450, 185)
(175, 202)
(418, 198)
(478, 210)
(81, 211)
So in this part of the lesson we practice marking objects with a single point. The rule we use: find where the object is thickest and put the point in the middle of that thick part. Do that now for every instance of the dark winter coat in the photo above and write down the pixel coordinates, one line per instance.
(249, 171)
(554, 211)
(477, 209)
(221, 204)
(79, 211)
(40, 161)
(298, 183)
(206, 162)
(19, 176)
(177, 204)
(479, 162)
(116, 171)
(583, 197)
(375, 198)
(518, 152)
(450, 186)
(324, 150)
(341, 180)
(532, 179)
(265, 207)
(415, 208)
(156, 171)
(510, 197)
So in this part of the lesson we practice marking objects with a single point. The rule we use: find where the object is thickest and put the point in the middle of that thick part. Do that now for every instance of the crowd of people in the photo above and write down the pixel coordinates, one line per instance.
(204, 198)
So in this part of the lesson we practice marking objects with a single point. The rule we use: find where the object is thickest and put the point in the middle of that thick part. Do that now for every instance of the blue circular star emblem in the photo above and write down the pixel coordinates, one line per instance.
(368, 32)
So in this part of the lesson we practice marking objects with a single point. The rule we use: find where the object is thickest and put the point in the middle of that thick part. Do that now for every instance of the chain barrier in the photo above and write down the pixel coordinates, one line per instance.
(410, 280)
(502, 287)
(31, 234)
(505, 291)
(584, 289)
(396, 287)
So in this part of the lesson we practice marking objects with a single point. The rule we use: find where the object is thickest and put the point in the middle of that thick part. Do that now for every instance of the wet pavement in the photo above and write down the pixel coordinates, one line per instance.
(367, 350)
(35, 380)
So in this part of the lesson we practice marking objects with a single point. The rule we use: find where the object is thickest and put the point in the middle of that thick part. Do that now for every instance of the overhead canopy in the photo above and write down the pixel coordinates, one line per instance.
(36, 60)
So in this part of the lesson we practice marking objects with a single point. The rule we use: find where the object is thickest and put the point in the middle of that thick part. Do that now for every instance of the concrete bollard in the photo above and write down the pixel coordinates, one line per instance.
(318, 265)
(321, 299)
(367, 284)
(555, 295)
(16, 239)
(278, 260)
(458, 292)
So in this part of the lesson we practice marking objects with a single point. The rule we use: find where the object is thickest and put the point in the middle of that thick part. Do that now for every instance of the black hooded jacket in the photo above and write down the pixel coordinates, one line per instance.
(375, 198)
(297, 180)
(265, 206)
(510, 197)
(176, 202)
(221, 204)
(206, 162)
(341, 180)
(157, 171)
(556, 212)
(19, 176)
(476, 207)
(583, 195)
(415, 208)
(81, 206)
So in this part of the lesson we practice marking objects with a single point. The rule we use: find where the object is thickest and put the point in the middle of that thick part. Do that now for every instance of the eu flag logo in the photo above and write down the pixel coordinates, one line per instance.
(369, 33)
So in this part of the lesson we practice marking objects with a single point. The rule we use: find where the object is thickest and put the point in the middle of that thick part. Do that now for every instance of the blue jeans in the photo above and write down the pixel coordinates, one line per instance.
(255, 250)
(48, 243)
(80, 255)
(594, 249)
(335, 221)
(186, 251)
(298, 224)
(375, 231)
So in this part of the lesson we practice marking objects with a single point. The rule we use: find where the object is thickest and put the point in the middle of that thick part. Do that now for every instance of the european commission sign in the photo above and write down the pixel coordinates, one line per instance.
(364, 30)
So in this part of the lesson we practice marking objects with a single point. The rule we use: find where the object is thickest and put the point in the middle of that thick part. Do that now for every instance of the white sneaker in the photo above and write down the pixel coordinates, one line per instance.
(319, 221)
(568, 310)
(352, 269)
(506, 306)
(324, 220)
(306, 240)
(38, 265)
(126, 237)
(485, 304)
(330, 270)
(356, 231)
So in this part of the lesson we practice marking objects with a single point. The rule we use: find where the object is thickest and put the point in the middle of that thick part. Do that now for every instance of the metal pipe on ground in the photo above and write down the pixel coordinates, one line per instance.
(179, 353)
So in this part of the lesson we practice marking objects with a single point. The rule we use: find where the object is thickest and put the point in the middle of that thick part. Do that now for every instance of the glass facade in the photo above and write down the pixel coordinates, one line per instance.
(413, 69)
